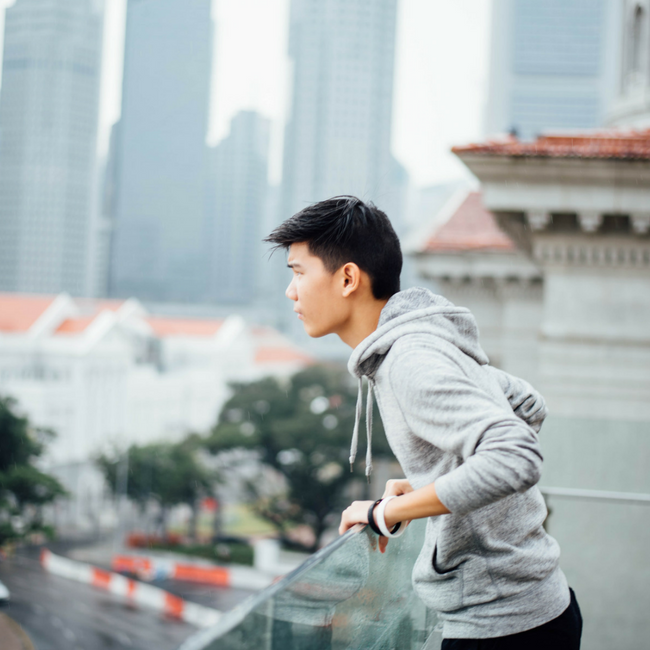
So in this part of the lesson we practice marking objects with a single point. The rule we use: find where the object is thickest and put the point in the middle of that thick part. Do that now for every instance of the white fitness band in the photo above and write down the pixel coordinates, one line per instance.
(381, 522)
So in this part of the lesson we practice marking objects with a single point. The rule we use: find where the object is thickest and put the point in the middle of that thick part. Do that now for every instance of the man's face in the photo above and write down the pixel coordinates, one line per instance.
(319, 295)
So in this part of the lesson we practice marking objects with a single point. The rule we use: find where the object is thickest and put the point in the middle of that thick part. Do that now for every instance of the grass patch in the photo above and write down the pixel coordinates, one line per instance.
(224, 552)
(239, 519)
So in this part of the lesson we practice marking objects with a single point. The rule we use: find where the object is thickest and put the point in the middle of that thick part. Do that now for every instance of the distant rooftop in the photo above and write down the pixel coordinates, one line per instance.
(74, 325)
(162, 326)
(19, 311)
(608, 144)
(469, 227)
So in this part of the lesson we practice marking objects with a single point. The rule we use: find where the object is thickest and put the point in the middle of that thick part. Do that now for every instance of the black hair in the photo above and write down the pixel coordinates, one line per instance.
(345, 229)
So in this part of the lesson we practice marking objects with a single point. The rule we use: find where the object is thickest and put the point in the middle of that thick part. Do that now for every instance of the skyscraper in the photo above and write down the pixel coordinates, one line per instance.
(338, 135)
(237, 196)
(159, 242)
(551, 65)
(631, 105)
(48, 132)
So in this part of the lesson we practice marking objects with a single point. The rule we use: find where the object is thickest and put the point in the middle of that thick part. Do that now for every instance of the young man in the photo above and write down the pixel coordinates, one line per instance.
(465, 433)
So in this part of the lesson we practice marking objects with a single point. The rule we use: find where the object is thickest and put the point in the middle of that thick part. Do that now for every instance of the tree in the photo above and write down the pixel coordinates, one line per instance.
(301, 430)
(170, 474)
(24, 489)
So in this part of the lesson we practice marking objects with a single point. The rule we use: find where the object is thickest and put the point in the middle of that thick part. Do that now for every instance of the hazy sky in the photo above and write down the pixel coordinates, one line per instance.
(440, 75)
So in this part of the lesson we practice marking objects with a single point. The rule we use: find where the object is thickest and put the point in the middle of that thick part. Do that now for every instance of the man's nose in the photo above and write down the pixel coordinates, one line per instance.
(291, 292)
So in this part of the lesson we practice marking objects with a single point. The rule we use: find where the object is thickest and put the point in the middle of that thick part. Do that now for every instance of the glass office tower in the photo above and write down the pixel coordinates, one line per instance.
(549, 68)
(159, 237)
(48, 138)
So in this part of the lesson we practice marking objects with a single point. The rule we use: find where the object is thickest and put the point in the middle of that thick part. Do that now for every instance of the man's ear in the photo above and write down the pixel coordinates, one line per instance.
(351, 277)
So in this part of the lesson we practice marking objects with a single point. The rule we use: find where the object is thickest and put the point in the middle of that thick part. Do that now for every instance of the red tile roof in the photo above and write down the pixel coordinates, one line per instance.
(470, 228)
(18, 312)
(74, 325)
(281, 355)
(183, 327)
(90, 309)
(613, 144)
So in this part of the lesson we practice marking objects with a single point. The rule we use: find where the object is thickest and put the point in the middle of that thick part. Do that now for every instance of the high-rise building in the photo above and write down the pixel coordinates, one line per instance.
(159, 245)
(631, 105)
(551, 65)
(104, 218)
(48, 133)
(338, 134)
(238, 189)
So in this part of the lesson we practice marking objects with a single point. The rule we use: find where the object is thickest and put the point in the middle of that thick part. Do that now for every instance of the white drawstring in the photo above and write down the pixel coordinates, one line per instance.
(355, 433)
(369, 432)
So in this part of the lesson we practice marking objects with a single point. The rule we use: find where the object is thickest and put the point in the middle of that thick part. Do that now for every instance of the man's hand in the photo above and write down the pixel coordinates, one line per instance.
(396, 487)
(356, 513)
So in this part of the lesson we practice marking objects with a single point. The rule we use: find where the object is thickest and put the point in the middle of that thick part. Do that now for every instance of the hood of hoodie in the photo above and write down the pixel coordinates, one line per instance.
(416, 311)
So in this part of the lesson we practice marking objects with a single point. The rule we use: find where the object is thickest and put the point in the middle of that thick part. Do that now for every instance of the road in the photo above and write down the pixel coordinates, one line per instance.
(60, 614)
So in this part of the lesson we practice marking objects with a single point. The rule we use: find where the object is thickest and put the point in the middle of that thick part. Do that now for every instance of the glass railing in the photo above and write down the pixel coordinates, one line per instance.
(348, 595)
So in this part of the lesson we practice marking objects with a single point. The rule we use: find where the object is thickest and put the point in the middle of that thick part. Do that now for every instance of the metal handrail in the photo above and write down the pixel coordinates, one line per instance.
(597, 495)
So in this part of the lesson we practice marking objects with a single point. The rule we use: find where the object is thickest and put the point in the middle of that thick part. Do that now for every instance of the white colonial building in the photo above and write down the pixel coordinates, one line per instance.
(106, 374)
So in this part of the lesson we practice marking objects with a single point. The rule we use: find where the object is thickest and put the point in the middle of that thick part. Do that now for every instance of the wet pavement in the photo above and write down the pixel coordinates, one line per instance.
(60, 614)
(12, 636)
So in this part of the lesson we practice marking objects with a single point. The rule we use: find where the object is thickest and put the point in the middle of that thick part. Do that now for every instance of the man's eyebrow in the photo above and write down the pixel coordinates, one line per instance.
(292, 265)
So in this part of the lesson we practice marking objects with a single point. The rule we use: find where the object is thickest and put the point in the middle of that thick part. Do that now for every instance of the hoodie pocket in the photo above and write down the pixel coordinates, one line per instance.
(437, 568)
(440, 587)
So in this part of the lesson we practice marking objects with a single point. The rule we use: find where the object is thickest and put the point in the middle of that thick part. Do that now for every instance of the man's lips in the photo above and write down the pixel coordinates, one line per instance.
(300, 316)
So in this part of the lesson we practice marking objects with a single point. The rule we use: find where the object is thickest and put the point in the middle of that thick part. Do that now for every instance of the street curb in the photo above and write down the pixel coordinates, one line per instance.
(13, 635)
(134, 591)
(151, 568)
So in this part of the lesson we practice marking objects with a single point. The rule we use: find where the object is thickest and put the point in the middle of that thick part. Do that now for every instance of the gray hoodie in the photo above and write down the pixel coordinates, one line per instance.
(489, 568)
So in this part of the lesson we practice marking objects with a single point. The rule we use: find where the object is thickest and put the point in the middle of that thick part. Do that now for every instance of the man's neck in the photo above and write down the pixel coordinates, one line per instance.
(362, 323)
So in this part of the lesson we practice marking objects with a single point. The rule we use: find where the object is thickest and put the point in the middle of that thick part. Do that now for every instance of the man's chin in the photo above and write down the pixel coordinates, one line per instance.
(315, 333)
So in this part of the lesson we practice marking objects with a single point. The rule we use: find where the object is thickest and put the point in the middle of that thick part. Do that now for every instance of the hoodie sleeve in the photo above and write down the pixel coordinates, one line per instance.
(525, 401)
(500, 453)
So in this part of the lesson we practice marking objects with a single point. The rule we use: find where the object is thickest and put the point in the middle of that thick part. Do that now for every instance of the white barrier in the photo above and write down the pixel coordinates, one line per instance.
(152, 568)
(135, 591)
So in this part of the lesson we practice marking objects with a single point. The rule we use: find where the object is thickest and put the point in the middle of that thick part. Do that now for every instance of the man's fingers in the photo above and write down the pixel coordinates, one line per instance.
(383, 543)
(397, 487)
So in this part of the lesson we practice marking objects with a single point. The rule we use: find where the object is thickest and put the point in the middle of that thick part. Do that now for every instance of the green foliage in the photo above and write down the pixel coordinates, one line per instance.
(235, 552)
(302, 430)
(170, 474)
(23, 487)
(18, 444)
(30, 486)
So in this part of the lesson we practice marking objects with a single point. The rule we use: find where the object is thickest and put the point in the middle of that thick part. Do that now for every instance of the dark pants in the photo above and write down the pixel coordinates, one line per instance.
(562, 633)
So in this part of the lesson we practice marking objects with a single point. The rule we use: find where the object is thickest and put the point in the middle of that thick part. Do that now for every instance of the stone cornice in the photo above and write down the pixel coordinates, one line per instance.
(585, 251)
(477, 265)
(500, 288)
(578, 171)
